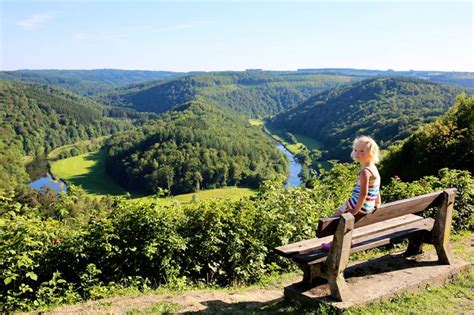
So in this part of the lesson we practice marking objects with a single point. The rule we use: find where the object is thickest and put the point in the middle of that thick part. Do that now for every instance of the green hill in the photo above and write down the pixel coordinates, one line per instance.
(251, 93)
(389, 109)
(193, 147)
(459, 79)
(35, 119)
(87, 82)
(446, 142)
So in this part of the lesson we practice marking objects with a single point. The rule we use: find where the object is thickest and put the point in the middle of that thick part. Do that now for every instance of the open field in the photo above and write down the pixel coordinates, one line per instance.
(88, 170)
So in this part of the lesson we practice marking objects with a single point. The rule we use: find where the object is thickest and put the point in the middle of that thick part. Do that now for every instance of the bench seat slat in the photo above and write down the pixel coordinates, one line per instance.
(369, 241)
(303, 246)
(327, 226)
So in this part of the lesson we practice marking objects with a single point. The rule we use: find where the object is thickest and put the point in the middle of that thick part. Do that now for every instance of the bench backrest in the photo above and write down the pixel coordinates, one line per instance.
(328, 226)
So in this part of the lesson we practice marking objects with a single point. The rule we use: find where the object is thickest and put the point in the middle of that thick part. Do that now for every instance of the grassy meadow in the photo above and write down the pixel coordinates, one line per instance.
(88, 171)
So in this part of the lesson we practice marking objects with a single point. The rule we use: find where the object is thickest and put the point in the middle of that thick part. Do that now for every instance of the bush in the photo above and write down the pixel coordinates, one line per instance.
(45, 259)
(461, 180)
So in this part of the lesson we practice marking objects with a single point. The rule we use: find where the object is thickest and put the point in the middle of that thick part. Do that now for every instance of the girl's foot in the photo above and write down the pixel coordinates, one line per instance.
(326, 246)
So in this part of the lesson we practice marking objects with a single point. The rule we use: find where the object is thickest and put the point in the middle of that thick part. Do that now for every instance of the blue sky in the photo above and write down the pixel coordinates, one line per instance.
(189, 36)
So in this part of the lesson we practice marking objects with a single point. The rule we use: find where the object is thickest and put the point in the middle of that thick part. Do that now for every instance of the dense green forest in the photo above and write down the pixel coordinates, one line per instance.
(251, 93)
(193, 147)
(87, 82)
(389, 109)
(35, 119)
(459, 79)
(446, 142)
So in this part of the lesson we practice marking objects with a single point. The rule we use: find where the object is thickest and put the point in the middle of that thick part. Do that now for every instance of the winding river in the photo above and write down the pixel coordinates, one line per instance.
(293, 179)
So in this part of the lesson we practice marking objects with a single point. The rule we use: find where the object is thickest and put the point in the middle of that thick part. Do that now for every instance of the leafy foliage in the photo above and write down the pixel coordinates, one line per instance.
(447, 142)
(49, 257)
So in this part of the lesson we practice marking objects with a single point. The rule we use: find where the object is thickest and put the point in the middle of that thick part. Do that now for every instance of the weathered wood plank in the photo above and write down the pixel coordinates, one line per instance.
(366, 242)
(339, 257)
(327, 226)
(442, 228)
(302, 246)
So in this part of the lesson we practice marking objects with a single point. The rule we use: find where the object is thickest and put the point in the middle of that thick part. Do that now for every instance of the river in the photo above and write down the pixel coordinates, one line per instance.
(293, 179)
(38, 170)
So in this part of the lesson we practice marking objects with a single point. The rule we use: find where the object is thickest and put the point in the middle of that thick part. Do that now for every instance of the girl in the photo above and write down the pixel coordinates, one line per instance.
(365, 195)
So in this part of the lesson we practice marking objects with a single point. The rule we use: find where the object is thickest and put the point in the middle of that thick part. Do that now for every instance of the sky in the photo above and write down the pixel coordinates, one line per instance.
(237, 35)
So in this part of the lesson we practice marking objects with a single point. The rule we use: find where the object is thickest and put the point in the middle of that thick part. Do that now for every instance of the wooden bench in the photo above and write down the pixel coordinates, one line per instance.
(390, 223)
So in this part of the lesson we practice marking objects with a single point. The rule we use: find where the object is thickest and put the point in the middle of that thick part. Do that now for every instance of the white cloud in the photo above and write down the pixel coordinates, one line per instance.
(34, 21)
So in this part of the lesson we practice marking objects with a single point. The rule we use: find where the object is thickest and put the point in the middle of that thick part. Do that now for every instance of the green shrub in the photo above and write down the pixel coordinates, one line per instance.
(461, 180)
(46, 259)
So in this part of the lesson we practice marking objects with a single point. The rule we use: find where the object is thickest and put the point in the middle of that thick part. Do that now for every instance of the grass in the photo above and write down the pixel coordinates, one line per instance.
(157, 308)
(88, 171)
(233, 193)
(303, 141)
(308, 142)
(256, 122)
(53, 155)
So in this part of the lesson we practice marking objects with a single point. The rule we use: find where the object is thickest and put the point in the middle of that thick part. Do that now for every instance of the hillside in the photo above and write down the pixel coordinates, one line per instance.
(35, 119)
(446, 142)
(87, 82)
(193, 147)
(389, 109)
(459, 79)
(251, 93)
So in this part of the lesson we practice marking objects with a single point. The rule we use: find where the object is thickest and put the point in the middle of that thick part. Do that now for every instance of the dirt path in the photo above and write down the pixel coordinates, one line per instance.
(205, 301)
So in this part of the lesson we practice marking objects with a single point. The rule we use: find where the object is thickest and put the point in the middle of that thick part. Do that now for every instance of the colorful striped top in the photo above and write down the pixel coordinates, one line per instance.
(372, 193)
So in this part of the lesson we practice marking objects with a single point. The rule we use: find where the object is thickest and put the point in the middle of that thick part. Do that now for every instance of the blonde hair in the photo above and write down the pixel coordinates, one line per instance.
(374, 150)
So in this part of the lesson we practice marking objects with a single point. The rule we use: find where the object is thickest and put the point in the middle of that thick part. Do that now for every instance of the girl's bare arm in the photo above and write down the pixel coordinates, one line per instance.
(364, 188)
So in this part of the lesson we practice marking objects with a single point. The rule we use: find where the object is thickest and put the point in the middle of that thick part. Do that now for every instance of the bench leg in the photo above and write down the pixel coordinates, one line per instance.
(442, 229)
(415, 244)
(338, 257)
(312, 275)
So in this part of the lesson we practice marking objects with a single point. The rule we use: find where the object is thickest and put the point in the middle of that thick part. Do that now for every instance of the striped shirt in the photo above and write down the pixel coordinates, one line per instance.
(373, 191)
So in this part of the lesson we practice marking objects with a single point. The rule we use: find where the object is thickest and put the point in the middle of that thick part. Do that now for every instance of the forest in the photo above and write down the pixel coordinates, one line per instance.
(250, 93)
(190, 148)
(35, 119)
(388, 109)
(446, 142)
